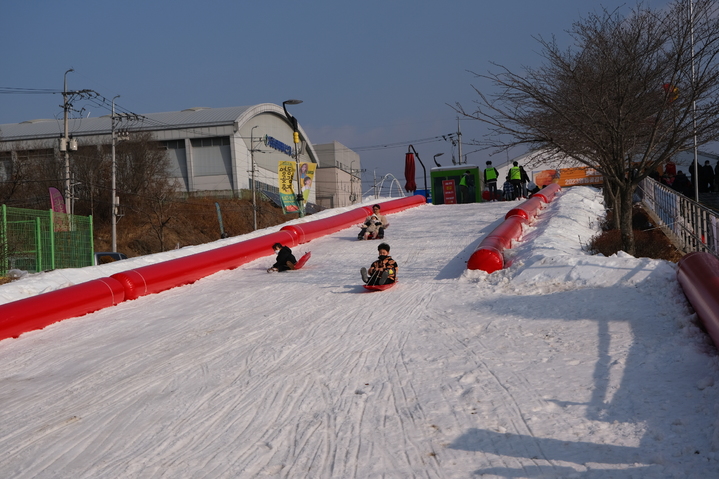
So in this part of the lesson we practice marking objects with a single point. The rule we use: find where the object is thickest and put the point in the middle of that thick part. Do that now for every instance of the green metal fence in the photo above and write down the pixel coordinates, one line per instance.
(36, 240)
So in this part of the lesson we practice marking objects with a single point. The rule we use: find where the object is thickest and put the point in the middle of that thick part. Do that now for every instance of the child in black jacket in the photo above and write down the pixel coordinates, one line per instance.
(285, 259)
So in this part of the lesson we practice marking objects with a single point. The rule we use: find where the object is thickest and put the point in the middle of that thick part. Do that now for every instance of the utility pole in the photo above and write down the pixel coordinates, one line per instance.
(64, 143)
(352, 183)
(67, 144)
(375, 184)
(254, 195)
(459, 142)
(113, 212)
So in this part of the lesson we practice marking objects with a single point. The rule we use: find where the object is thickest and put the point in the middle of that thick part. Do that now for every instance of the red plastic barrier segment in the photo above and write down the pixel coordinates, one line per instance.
(698, 274)
(489, 254)
(508, 231)
(39, 311)
(159, 277)
(526, 210)
(310, 230)
(547, 193)
(401, 204)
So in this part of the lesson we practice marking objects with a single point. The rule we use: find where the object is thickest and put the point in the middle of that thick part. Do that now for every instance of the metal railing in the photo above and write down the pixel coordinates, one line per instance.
(691, 226)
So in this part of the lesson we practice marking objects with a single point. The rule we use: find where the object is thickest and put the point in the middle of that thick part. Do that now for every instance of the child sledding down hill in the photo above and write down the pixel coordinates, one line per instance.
(382, 271)
(370, 228)
(373, 226)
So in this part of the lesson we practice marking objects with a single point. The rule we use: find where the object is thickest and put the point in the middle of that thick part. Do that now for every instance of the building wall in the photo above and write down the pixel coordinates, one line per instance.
(202, 158)
(338, 177)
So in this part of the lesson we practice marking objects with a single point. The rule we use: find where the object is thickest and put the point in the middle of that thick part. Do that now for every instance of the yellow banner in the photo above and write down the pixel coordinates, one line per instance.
(286, 183)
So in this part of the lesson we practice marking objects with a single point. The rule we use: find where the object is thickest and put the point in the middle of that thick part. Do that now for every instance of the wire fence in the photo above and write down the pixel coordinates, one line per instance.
(38, 240)
(691, 226)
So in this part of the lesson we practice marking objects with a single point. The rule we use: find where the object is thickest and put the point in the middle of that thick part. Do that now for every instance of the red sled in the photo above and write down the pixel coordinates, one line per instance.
(379, 287)
(302, 260)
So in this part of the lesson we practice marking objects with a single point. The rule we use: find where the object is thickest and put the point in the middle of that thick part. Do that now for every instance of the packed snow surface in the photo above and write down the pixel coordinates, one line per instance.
(564, 365)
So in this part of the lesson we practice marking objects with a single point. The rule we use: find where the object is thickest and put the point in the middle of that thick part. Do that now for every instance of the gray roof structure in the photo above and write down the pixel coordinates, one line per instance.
(225, 162)
(189, 118)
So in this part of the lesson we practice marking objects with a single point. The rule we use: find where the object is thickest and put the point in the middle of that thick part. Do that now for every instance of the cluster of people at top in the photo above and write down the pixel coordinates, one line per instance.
(382, 271)
(517, 183)
(708, 178)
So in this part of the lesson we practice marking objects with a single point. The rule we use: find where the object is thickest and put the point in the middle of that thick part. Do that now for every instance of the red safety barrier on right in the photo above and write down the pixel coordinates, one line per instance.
(547, 193)
(489, 254)
(159, 277)
(45, 309)
(526, 210)
(508, 231)
(698, 275)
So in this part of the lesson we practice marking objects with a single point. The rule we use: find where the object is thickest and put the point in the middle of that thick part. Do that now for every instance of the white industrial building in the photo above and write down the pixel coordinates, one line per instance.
(211, 150)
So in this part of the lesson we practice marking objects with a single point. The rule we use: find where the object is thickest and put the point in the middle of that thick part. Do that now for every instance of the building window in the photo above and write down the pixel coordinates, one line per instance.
(5, 165)
(212, 156)
(206, 142)
(175, 144)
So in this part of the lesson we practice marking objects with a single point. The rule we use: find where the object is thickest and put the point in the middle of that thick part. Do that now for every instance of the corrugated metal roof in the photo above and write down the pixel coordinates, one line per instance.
(189, 118)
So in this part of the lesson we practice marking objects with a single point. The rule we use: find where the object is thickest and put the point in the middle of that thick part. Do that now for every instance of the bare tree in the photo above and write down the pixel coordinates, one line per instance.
(142, 166)
(144, 185)
(27, 170)
(630, 94)
(159, 209)
(91, 173)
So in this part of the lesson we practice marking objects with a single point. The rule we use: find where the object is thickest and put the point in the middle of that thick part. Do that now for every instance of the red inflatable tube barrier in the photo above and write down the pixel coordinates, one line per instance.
(159, 277)
(526, 210)
(311, 230)
(401, 204)
(489, 254)
(508, 231)
(306, 232)
(42, 310)
(39, 311)
(698, 274)
(547, 193)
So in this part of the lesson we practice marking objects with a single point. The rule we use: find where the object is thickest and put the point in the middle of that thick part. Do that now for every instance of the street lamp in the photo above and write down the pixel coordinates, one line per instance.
(296, 139)
(435, 158)
(352, 183)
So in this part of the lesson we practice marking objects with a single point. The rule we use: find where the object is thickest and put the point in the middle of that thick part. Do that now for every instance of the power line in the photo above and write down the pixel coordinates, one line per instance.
(421, 141)
(6, 90)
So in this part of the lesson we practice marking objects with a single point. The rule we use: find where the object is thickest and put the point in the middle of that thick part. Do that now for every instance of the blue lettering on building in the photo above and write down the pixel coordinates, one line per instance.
(278, 145)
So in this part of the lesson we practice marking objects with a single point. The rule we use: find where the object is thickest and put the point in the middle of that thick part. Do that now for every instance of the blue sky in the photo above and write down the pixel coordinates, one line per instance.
(370, 73)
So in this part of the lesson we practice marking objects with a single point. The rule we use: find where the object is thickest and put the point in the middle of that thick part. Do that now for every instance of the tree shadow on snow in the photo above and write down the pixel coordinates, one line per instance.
(626, 386)
(543, 450)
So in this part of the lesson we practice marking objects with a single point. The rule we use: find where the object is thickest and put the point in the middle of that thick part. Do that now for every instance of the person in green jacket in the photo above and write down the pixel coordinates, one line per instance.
(465, 183)
(515, 177)
(490, 180)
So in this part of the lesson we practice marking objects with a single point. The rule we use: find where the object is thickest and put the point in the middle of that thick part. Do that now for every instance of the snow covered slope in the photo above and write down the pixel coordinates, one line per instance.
(563, 365)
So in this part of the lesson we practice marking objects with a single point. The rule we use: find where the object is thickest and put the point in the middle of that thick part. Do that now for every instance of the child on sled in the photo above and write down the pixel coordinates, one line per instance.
(382, 271)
